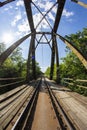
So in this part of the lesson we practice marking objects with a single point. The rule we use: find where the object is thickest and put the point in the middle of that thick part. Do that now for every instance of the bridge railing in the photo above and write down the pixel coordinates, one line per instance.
(7, 84)
(77, 85)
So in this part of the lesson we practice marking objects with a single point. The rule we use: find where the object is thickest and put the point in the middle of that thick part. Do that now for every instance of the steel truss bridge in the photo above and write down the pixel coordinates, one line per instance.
(53, 34)
(41, 103)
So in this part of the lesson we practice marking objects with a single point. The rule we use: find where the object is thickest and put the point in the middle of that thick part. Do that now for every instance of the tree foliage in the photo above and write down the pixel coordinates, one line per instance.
(71, 66)
(2, 47)
(15, 65)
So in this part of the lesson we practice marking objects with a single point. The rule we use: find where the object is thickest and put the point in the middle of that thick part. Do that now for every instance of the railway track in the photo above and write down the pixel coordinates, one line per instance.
(76, 96)
(34, 107)
(12, 104)
(65, 122)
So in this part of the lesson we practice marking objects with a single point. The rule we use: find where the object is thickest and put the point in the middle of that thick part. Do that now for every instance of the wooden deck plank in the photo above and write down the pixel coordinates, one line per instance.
(73, 106)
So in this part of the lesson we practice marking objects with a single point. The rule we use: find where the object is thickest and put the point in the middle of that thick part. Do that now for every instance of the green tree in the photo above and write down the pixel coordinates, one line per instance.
(79, 40)
(47, 72)
(71, 66)
(2, 47)
(14, 65)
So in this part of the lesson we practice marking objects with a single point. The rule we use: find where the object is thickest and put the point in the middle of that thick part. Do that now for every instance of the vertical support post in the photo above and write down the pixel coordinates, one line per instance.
(33, 57)
(57, 62)
(29, 63)
(52, 57)
(31, 60)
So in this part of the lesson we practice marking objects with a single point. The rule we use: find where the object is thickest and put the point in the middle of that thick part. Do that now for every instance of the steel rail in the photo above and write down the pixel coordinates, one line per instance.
(13, 110)
(63, 118)
(21, 122)
(17, 107)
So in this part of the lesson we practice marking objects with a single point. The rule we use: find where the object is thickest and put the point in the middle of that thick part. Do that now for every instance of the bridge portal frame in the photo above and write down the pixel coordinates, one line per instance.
(75, 50)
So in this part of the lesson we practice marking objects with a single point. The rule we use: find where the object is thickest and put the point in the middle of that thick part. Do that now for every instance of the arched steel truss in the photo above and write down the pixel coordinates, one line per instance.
(52, 42)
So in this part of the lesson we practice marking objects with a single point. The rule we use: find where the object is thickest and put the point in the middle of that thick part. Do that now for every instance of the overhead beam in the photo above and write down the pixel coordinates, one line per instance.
(27, 4)
(75, 50)
(5, 2)
(61, 4)
(6, 53)
(80, 3)
(71, 46)
(31, 65)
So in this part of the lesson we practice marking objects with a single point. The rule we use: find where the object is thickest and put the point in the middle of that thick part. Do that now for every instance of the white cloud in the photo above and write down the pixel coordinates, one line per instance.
(48, 5)
(16, 19)
(69, 20)
(37, 17)
(51, 16)
(41, 5)
(20, 3)
(23, 27)
(7, 8)
(67, 14)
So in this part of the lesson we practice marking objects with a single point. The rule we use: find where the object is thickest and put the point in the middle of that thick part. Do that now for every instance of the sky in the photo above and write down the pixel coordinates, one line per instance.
(14, 25)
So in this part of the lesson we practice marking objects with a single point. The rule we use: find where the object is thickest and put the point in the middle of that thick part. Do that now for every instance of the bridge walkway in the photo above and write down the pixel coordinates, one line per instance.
(74, 105)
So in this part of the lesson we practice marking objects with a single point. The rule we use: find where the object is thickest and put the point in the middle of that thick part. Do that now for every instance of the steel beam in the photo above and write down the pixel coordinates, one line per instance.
(6, 53)
(61, 4)
(5, 2)
(52, 57)
(80, 3)
(57, 62)
(27, 4)
(29, 64)
(31, 60)
(33, 57)
(75, 50)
